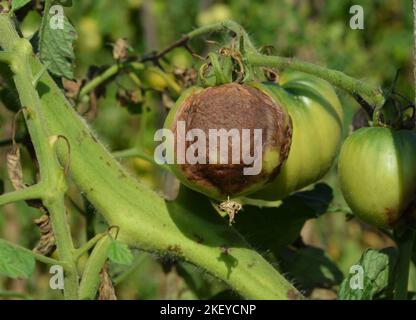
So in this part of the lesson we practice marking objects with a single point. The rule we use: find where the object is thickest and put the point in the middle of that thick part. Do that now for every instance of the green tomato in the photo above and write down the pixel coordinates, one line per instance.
(316, 115)
(230, 107)
(377, 172)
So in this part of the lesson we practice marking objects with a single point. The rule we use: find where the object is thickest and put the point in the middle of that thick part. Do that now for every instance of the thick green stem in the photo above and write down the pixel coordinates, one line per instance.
(64, 245)
(405, 243)
(53, 185)
(144, 219)
(337, 78)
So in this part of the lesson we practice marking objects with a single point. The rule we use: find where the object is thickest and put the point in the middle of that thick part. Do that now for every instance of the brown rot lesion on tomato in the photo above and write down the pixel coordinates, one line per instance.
(226, 111)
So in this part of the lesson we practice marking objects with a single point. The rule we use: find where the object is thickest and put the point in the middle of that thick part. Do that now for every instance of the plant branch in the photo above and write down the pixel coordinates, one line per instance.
(137, 153)
(37, 256)
(5, 56)
(62, 233)
(155, 57)
(100, 79)
(88, 246)
(405, 243)
(144, 219)
(34, 192)
(52, 185)
(353, 86)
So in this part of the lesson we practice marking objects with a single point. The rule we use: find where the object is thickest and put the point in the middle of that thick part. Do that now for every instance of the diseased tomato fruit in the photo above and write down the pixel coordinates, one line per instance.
(377, 172)
(230, 107)
(316, 114)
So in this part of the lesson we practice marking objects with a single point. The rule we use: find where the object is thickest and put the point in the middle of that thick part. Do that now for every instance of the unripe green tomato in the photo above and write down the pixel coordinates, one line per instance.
(227, 107)
(155, 79)
(90, 38)
(377, 173)
(316, 114)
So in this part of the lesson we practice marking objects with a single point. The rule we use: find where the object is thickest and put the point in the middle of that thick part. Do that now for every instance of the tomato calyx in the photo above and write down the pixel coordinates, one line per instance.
(397, 111)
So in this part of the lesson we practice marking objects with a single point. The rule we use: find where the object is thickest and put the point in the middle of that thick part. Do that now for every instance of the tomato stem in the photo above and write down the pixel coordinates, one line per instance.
(144, 219)
(106, 75)
(405, 244)
(373, 95)
(52, 186)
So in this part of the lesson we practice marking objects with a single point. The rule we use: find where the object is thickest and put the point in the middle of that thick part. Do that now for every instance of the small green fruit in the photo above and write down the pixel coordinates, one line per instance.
(377, 174)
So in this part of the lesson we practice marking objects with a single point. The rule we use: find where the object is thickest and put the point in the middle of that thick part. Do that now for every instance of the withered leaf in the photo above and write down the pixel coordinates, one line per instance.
(14, 168)
(106, 290)
(47, 243)
(121, 49)
(72, 88)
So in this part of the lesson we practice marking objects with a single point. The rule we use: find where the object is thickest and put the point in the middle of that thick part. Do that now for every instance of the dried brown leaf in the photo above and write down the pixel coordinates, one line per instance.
(106, 290)
(14, 168)
(47, 243)
(121, 49)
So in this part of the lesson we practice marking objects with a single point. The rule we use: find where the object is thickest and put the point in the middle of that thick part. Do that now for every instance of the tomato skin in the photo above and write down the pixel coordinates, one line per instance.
(316, 115)
(377, 173)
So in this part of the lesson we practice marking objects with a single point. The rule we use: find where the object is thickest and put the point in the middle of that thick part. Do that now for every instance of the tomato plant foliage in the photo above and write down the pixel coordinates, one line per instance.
(284, 234)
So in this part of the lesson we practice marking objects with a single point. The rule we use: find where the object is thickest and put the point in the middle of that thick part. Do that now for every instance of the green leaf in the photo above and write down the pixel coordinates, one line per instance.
(56, 39)
(311, 268)
(15, 262)
(275, 228)
(120, 253)
(17, 4)
(378, 275)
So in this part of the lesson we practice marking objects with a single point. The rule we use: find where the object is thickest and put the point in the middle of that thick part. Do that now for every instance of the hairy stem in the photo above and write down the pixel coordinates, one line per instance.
(337, 78)
(52, 181)
(62, 233)
(144, 219)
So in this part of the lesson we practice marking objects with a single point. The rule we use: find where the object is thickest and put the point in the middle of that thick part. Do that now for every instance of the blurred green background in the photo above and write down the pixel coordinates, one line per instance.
(313, 30)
